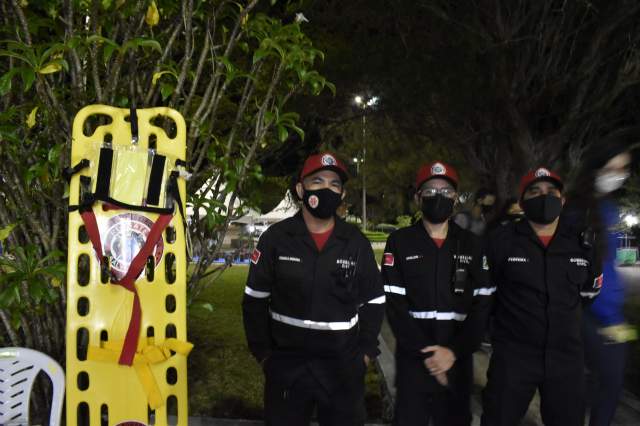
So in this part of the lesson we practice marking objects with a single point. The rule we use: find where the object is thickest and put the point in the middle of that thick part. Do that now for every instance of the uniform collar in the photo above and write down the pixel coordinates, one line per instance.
(523, 227)
(452, 232)
(341, 230)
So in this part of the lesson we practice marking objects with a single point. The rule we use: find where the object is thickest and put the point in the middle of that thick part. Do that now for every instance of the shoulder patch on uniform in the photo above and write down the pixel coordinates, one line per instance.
(255, 256)
(485, 263)
(387, 259)
(598, 281)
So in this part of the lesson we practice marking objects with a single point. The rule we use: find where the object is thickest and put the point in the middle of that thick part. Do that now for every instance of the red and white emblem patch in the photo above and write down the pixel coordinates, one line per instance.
(328, 160)
(542, 172)
(255, 256)
(314, 201)
(597, 282)
(387, 259)
(438, 169)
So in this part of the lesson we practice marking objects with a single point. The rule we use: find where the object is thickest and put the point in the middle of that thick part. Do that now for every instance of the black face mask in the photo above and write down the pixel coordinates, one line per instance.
(322, 203)
(437, 209)
(542, 209)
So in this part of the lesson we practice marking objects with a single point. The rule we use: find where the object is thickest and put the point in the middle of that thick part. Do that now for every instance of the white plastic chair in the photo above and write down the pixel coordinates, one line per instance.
(18, 370)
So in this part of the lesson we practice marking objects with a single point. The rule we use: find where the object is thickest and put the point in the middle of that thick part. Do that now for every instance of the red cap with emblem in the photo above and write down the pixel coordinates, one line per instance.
(324, 161)
(537, 175)
(437, 169)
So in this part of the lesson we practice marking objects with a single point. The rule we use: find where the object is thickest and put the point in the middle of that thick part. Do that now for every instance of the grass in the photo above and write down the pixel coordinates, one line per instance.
(378, 254)
(224, 380)
(376, 236)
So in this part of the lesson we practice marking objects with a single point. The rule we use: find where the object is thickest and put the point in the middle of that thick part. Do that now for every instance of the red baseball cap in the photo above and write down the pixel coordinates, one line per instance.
(537, 175)
(324, 161)
(437, 169)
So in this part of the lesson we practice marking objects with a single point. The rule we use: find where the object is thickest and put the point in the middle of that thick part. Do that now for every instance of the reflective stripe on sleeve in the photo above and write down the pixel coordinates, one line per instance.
(378, 300)
(315, 325)
(255, 293)
(442, 316)
(589, 294)
(395, 289)
(484, 291)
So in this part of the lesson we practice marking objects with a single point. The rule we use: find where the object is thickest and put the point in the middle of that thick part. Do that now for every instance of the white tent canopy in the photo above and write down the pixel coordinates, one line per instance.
(287, 207)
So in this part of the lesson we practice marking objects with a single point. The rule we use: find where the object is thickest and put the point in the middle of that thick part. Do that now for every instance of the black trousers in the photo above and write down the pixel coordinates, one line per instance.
(606, 362)
(420, 400)
(292, 402)
(513, 379)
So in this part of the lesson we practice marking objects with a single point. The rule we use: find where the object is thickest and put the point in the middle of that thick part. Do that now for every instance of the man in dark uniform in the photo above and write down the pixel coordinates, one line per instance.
(544, 271)
(438, 292)
(313, 306)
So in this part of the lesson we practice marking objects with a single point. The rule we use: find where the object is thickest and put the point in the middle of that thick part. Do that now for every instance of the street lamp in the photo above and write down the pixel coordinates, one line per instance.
(364, 103)
(357, 162)
(631, 220)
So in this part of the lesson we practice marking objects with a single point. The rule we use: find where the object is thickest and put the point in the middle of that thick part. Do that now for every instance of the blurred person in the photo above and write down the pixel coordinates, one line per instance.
(606, 333)
(475, 219)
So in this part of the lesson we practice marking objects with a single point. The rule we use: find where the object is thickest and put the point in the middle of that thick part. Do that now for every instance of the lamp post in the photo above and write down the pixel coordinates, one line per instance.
(363, 103)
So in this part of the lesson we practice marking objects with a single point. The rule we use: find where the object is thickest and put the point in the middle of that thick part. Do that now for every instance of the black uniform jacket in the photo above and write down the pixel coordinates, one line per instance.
(303, 305)
(422, 307)
(541, 292)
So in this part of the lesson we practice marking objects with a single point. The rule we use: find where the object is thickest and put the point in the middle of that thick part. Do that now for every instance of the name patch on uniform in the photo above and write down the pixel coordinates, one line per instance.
(255, 256)
(518, 259)
(464, 258)
(414, 257)
(579, 261)
(345, 263)
(289, 259)
(387, 259)
(597, 283)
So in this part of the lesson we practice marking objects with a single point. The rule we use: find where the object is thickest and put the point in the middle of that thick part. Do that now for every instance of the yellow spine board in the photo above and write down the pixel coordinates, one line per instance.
(96, 389)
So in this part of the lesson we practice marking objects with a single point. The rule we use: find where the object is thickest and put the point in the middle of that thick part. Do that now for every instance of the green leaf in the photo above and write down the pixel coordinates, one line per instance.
(50, 68)
(31, 118)
(298, 130)
(331, 87)
(4, 232)
(28, 77)
(141, 42)
(166, 90)
(259, 54)
(283, 133)
(207, 306)
(107, 51)
(15, 56)
(5, 82)
(53, 50)
(157, 75)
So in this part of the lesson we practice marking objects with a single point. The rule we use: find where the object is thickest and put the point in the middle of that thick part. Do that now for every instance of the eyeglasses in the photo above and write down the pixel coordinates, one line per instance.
(431, 192)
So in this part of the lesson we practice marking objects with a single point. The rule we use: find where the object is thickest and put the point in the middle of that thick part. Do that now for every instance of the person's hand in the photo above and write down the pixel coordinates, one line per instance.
(367, 360)
(619, 333)
(442, 379)
(441, 360)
